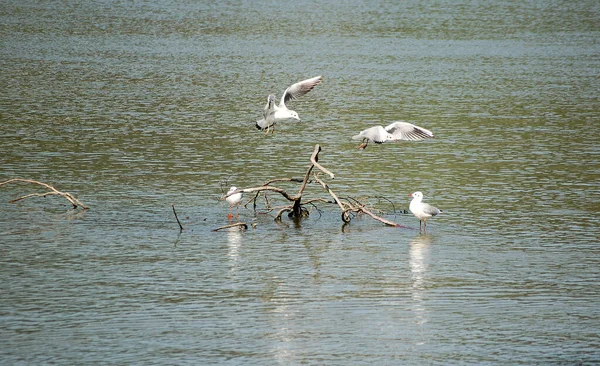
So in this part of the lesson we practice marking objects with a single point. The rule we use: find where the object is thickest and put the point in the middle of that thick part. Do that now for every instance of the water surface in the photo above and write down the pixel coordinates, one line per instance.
(134, 107)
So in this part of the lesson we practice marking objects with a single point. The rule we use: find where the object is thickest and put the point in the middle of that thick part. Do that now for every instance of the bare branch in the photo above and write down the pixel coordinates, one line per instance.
(297, 180)
(53, 192)
(285, 209)
(240, 225)
(315, 158)
(326, 187)
(381, 219)
(260, 189)
(350, 207)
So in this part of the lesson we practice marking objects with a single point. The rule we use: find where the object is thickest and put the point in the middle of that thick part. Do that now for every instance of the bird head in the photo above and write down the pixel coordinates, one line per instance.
(294, 115)
(417, 195)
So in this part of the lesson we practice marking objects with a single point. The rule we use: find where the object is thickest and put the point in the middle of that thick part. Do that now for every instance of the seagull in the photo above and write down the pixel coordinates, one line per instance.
(233, 200)
(393, 132)
(422, 210)
(273, 112)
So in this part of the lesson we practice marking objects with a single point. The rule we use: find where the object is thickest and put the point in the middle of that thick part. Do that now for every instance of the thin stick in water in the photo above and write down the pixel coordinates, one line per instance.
(177, 218)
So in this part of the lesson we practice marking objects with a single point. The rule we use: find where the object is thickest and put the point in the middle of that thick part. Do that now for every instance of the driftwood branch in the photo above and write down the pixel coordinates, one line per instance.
(296, 200)
(53, 192)
(315, 158)
(356, 207)
(349, 208)
(333, 195)
(297, 180)
(240, 225)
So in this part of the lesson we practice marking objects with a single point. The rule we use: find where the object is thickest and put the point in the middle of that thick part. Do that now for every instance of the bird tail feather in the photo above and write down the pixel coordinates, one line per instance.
(261, 124)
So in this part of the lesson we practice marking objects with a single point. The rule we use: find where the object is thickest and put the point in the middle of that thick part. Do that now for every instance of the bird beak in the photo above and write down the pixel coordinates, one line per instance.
(410, 195)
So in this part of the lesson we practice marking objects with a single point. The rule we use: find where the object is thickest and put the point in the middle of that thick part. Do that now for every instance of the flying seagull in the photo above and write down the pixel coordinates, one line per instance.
(393, 132)
(273, 113)
(422, 210)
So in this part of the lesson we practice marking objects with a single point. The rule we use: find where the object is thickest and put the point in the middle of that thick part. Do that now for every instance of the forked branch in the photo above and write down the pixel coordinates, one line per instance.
(53, 192)
(348, 208)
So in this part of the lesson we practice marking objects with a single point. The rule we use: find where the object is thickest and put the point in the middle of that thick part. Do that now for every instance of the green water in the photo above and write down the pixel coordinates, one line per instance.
(135, 106)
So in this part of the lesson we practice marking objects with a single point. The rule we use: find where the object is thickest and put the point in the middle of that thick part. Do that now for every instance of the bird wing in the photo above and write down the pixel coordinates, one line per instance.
(268, 114)
(430, 210)
(269, 110)
(377, 134)
(407, 131)
(299, 89)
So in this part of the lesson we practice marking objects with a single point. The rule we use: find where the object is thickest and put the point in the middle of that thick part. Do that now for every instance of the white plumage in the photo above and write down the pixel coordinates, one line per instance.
(395, 131)
(273, 113)
(422, 210)
(233, 200)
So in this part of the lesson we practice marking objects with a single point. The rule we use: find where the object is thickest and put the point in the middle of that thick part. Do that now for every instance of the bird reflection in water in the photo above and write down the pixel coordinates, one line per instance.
(419, 257)
(234, 239)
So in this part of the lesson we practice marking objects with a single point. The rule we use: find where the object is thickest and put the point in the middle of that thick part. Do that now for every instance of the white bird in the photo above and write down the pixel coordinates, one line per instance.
(233, 200)
(273, 113)
(393, 132)
(422, 210)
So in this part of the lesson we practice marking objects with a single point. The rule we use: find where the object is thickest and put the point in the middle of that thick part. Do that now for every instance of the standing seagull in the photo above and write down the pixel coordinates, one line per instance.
(393, 132)
(233, 200)
(273, 113)
(422, 210)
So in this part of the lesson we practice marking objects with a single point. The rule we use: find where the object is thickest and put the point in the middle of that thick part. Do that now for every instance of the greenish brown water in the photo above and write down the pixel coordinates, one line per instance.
(136, 106)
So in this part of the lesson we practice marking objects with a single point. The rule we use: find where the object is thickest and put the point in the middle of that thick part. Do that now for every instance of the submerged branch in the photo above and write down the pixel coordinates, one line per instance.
(380, 219)
(240, 225)
(53, 192)
(349, 207)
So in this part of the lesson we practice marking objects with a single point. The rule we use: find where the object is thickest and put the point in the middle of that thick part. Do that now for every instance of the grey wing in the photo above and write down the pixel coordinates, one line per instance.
(268, 114)
(269, 110)
(300, 88)
(408, 131)
(429, 209)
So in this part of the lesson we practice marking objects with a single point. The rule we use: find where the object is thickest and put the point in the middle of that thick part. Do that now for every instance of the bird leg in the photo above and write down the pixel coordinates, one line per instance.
(364, 144)
(270, 128)
(230, 216)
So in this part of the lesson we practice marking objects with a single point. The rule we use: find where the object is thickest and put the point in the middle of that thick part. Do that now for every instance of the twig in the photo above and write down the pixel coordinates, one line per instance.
(53, 192)
(177, 218)
(260, 189)
(381, 219)
(350, 207)
(241, 225)
(297, 180)
(315, 158)
(326, 187)
(390, 201)
(285, 209)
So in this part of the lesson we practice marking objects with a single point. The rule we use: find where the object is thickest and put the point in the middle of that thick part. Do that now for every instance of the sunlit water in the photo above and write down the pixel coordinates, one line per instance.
(134, 107)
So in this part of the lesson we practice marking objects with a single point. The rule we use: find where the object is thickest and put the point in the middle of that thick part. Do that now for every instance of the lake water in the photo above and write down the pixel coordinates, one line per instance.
(136, 106)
